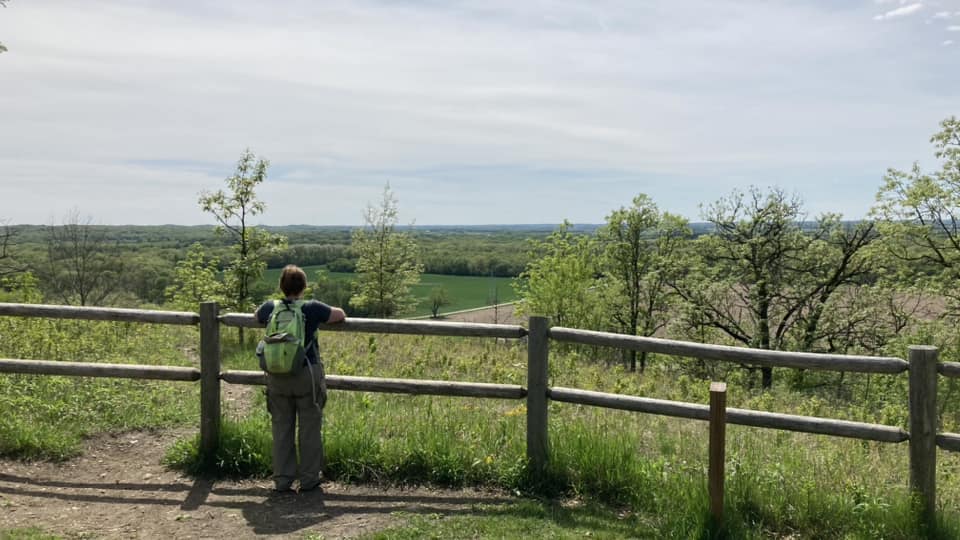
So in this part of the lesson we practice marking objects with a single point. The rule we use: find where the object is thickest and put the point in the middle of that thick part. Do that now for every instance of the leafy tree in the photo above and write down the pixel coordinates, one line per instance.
(195, 281)
(22, 288)
(638, 245)
(8, 263)
(335, 292)
(921, 217)
(764, 281)
(148, 275)
(387, 262)
(82, 266)
(233, 210)
(560, 280)
(439, 297)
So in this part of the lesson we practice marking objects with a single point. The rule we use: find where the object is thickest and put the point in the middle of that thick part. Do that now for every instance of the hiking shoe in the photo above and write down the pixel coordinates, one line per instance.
(311, 487)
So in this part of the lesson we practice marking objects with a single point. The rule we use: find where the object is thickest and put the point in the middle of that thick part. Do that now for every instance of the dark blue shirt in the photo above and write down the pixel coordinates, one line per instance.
(315, 313)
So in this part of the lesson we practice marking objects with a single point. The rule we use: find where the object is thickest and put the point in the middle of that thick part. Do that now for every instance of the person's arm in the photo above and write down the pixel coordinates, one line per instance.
(262, 313)
(336, 315)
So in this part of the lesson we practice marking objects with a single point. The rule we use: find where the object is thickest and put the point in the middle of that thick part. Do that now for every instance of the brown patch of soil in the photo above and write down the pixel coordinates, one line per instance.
(119, 489)
(237, 399)
(503, 314)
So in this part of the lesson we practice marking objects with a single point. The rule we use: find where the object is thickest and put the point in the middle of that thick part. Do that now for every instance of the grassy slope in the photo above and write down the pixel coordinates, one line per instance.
(779, 483)
(465, 292)
(53, 414)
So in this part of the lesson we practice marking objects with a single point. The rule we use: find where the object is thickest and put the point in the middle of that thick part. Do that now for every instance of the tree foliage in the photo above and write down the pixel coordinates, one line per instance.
(82, 266)
(387, 262)
(560, 280)
(195, 281)
(8, 263)
(638, 246)
(763, 280)
(921, 217)
(233, 210)
(439, 297)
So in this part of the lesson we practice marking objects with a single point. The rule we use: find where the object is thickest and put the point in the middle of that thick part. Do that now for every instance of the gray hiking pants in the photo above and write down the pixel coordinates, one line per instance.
(289, 398)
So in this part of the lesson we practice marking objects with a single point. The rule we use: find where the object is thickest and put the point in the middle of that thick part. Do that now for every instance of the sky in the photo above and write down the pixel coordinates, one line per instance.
(474, 112)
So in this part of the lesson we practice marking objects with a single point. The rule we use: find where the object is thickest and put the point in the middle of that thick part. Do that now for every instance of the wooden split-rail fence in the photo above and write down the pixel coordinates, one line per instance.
(922, 366)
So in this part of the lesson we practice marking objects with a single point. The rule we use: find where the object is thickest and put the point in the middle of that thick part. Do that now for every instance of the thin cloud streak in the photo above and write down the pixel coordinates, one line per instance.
(899, 12)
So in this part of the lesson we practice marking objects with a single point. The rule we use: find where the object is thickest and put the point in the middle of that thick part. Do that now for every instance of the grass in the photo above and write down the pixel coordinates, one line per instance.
(465, 292)
(523, 519)
(778, 483)
(32, 533)
(54, 414)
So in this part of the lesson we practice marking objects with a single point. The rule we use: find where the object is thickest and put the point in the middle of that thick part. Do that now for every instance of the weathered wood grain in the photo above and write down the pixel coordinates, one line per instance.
(99, 314)
(89, 369)
(787, 422)
(393, 326)
(757, 357)
(395, 386)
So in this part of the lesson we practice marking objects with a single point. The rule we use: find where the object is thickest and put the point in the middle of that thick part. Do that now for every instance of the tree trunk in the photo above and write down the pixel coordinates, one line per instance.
(764, 331)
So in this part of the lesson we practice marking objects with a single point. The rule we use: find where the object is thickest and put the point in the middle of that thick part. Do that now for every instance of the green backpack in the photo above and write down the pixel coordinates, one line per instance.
(284, 345)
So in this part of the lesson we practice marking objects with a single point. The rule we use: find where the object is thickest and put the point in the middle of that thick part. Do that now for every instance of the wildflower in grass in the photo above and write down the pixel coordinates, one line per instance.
(518, 410)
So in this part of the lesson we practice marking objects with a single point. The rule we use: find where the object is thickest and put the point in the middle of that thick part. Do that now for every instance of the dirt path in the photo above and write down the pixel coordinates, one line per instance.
(119, 489)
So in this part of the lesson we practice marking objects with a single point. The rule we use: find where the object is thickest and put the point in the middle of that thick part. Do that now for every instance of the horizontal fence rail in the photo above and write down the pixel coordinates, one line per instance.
(949, 441)
(787, 422)
(759, 357)
(395, 386)
(88, 369)
(949, 369)
(393, 326)
(100, 314)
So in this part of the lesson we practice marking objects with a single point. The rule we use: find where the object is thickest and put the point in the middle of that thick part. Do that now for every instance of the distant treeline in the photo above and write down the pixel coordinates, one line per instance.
(483, 250)
(145, 255)
(458, 250)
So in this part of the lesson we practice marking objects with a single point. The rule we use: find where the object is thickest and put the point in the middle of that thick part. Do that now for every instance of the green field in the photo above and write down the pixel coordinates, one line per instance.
(465, 292)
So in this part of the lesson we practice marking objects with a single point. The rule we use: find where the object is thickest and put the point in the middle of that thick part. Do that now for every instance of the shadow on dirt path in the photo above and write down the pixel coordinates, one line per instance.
(119, 489)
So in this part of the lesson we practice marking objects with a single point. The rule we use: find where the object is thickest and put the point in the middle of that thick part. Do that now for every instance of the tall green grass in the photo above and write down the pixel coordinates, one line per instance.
(48, 416)
(33, 533)
(524, 519)
(778, 483)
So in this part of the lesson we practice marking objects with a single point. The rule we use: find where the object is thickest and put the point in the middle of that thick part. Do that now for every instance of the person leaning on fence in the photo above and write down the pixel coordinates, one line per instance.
(302, 395)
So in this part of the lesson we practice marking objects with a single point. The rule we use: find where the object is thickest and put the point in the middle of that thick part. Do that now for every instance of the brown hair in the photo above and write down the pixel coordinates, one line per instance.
(293, 280)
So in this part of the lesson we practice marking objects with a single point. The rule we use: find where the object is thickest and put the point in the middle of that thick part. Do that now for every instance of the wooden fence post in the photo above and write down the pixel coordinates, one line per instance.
(209, 379)
(718, 441)
(538, 347)
(923, 430)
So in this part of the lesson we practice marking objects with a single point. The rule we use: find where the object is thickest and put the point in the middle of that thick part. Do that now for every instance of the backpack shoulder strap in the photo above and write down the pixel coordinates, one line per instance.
(272, 320)
(307, 340)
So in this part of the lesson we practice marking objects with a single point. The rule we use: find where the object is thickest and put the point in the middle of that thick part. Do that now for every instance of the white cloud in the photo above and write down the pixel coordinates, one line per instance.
(148, 103)
(953, 28)
(942, 15)
(947, 43)
(899, 12)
